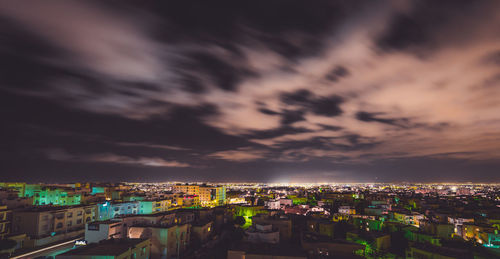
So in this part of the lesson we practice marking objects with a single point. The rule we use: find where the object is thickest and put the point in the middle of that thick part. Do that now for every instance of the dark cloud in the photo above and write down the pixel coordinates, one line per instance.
(373, 117)
(432, 24)
(493, 58)
(406, 31)
(272, 133)
(337, 73)
(223, 74)
(289, 117)
(23, 56)
(268, 112)
(327, 106)
(299, 97)
(294, 31)
(330, 127)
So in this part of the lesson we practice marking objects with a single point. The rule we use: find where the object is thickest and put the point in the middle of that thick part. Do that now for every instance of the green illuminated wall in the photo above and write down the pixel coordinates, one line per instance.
(247, 213)
(55, 197)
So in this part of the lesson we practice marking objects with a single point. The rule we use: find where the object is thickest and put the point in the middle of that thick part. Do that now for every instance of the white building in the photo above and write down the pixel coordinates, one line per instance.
(102, 230)
(109, 210)
(273, 204)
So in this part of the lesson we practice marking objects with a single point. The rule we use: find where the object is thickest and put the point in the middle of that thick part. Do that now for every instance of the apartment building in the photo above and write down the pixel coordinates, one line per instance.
(187, 189)
(102, 230)
(56, 196)
(212, 195)
(109, 210)
(153, 206)
(43, 221)
(5, 221)
(166, 241)
(209, 195)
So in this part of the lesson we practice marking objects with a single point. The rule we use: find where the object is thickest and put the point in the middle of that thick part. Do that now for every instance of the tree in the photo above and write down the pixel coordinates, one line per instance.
(240, 220)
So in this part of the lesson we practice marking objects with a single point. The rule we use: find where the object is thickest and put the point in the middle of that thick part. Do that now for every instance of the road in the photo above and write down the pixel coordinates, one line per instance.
(49, 251)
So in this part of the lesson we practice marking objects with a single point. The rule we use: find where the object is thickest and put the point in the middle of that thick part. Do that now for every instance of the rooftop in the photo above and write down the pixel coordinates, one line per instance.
(107, 247)
(268, 249)
(105, 222)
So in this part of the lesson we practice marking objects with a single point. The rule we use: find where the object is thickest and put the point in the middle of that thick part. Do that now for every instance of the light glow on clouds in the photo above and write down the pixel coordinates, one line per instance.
(440, 102)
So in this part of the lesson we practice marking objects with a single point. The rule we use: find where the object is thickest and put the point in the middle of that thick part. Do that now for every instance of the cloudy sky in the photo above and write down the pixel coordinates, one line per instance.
(280, 91)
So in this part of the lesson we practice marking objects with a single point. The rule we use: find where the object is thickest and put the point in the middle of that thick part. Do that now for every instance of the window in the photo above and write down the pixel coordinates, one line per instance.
(93, 227)
(79, 213)
(70, 214)
(79, 221)
(70, 223)
(59, 225)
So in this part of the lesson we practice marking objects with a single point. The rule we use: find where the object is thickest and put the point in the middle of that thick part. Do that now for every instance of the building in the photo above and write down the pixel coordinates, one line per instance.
(184, 217)
(5, 221)
(55, 196)
(375, 240)
(160, 218)
(248, 250)
(187, 189)
(109, 210)
(44, 221)
(19, 188)
(282, 223)
(209, 195)
(419, 250)
(110, 249)
(320, 246)
(263, 234)
(102, 230)
(188, 200)
(458, 222)
(273, 204)
(286, 202)
(347, 210)
(212, 195)
(408, 218)
(166, 241)
(321, 226)
(152, 206)
(201, 232)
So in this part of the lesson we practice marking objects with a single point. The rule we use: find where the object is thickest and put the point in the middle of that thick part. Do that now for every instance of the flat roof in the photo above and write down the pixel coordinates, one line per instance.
(105, 222)
(268, 249)
(53, 208)
(107, 247)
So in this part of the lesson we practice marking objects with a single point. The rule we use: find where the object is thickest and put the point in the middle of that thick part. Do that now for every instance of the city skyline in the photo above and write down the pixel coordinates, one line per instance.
(281, 91)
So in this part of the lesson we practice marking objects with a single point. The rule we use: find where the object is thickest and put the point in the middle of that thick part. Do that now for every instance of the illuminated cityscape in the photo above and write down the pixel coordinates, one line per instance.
(255, 220)
(262, 129)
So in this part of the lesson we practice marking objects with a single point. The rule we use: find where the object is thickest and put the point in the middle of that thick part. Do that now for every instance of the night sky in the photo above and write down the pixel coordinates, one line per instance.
(278, 91)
